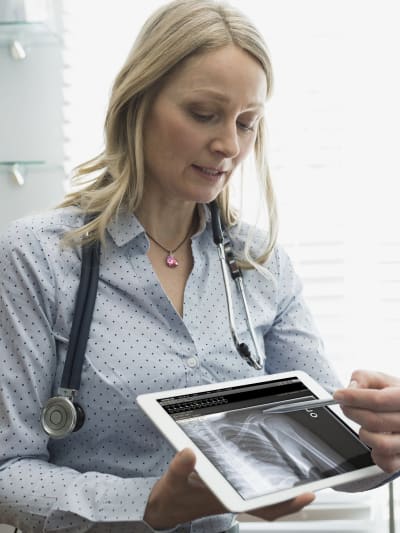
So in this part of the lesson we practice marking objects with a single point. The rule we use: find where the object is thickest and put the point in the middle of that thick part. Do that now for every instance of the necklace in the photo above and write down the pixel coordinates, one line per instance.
(170, 260)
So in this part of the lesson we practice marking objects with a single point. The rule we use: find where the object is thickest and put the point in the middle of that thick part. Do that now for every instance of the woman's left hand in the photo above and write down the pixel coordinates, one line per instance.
(373, 401)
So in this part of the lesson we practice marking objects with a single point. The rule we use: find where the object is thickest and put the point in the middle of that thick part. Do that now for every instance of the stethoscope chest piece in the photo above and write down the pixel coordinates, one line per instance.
(61, 416)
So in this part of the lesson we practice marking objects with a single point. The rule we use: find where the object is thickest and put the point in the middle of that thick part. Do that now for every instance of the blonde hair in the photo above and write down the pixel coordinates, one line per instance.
(175, 32)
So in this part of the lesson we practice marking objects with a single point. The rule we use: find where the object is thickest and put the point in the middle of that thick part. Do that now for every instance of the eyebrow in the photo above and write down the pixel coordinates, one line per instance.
(223, 98)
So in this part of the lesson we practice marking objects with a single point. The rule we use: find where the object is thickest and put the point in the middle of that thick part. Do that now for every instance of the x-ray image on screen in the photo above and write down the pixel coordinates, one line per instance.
(259, 453)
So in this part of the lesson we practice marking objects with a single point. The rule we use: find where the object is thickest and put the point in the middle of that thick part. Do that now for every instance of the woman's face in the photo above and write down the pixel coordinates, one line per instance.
(202, 124)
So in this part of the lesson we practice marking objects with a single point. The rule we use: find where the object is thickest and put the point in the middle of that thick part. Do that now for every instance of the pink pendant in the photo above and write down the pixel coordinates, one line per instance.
(171, 261)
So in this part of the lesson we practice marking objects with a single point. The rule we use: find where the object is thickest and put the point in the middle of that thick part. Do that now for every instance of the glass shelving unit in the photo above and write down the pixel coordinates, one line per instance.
(31, 107)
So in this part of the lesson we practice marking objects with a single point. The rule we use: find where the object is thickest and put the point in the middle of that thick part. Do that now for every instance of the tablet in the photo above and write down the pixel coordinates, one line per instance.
(250, 458)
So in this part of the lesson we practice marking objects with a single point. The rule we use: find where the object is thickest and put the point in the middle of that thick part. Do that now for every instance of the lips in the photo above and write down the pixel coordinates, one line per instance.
(210, 171)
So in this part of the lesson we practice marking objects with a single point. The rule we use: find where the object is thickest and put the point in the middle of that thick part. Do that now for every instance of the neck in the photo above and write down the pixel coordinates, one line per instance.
(167, 223)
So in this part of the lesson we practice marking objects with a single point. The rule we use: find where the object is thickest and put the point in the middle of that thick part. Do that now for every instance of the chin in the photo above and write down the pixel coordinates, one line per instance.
(205, 197)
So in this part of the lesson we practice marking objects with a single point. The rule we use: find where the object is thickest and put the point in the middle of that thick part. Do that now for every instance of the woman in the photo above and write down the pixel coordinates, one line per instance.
(185, 111)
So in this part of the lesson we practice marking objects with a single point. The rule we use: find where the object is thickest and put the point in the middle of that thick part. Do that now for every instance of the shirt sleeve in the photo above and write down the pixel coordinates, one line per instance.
(36, 495)
(293, 342)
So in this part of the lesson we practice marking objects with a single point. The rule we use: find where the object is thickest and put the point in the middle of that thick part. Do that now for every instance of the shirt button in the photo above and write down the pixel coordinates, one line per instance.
(192, 362)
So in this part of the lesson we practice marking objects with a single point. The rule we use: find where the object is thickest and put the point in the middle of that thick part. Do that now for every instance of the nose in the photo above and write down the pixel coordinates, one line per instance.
(226, 141)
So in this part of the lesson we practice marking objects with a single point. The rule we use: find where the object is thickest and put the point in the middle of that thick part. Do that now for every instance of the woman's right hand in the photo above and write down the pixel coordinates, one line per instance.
(180, 496)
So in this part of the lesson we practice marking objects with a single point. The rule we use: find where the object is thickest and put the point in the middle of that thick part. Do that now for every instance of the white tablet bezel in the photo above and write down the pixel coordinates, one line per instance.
(209, 474)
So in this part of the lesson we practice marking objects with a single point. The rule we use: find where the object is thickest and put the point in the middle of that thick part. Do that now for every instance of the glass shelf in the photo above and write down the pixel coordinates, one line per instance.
(22, 169)
(23, 163)
(29, 33)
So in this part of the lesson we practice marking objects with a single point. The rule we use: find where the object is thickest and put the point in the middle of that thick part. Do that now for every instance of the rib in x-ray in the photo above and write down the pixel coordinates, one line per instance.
(260, 453)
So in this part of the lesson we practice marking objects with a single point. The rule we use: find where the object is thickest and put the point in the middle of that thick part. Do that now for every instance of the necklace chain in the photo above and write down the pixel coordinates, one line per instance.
(170, 260)
(168, 250)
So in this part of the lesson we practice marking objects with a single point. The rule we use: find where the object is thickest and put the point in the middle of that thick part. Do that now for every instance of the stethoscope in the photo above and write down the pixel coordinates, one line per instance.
(62, 415)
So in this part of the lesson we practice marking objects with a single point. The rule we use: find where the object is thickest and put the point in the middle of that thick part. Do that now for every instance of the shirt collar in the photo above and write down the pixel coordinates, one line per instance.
(125, 227)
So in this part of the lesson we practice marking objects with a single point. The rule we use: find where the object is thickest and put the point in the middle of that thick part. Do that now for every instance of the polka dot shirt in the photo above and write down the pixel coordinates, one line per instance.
(99, 478)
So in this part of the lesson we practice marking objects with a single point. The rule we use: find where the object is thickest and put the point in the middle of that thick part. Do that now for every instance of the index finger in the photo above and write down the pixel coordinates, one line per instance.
(368, 379)
(378, 400)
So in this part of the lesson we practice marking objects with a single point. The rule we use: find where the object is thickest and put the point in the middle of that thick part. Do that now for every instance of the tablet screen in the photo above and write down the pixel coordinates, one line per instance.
(259, 452)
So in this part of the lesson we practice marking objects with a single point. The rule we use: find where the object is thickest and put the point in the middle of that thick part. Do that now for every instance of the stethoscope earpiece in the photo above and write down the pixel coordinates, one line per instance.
(61, 417)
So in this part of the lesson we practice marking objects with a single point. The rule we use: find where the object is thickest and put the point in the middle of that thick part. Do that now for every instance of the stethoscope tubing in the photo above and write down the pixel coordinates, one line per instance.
(87, 291)
(236, 274)
(259, 362)
(228, 294)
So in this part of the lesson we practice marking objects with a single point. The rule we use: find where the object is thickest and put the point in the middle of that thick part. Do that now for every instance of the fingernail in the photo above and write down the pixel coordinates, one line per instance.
(353, 384)
(194, 480)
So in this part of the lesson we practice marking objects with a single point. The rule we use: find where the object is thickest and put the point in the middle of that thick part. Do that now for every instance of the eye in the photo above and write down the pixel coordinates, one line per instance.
(246, 127)
(248, 123)
(202, 117)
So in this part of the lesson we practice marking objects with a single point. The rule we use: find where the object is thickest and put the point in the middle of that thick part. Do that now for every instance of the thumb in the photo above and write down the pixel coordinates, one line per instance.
(181, 466)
